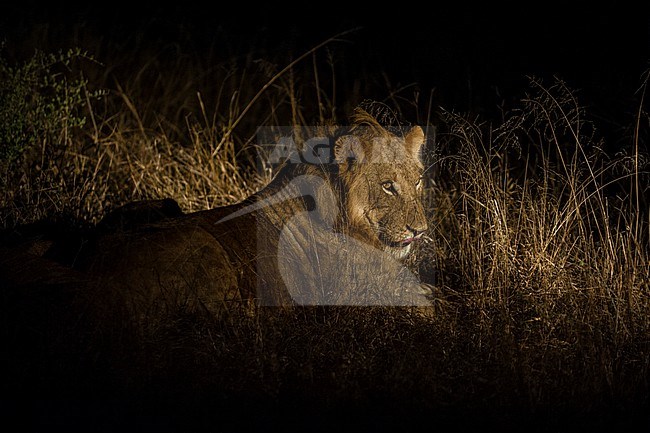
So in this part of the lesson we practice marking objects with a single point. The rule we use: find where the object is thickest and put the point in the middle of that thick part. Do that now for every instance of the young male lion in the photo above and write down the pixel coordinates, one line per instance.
(330, 231)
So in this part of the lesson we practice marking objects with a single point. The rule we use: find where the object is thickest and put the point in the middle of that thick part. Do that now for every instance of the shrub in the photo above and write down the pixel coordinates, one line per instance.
(43, 106)
(41, 101)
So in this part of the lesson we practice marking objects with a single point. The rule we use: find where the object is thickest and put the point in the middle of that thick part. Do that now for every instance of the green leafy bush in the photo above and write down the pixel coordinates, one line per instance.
(41, 101)
(44, 103)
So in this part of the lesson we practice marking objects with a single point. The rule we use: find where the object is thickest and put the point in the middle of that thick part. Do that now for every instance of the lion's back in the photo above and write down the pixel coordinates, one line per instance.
(173, 264)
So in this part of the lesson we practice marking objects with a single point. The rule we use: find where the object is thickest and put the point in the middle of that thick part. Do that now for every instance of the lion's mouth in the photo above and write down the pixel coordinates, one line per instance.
(411, 239)
(404, 242)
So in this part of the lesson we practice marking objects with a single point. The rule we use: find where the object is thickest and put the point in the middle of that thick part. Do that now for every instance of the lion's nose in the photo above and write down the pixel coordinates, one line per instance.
(417, 230)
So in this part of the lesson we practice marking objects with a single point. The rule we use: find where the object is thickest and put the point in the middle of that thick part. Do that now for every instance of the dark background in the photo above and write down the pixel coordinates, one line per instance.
(473, 58)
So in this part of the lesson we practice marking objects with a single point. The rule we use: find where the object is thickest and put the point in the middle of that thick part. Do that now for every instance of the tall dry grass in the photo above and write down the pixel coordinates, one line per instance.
(167, 126)
(538, 248)
(542, 239)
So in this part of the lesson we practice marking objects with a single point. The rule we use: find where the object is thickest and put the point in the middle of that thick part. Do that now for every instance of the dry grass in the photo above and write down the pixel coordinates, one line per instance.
(538, 249)
(551, 270)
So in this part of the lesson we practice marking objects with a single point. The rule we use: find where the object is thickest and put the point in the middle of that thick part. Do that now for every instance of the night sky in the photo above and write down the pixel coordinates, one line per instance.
(472, 58)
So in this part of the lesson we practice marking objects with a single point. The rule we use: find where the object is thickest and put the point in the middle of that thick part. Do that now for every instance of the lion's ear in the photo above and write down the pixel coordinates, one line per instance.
(348, 148)
(413, 141)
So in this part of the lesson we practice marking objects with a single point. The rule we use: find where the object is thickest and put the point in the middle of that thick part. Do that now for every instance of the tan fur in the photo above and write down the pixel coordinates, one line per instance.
(318, 234)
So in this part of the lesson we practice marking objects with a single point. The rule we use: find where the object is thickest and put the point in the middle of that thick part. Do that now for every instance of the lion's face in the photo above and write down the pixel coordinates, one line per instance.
(382, 180)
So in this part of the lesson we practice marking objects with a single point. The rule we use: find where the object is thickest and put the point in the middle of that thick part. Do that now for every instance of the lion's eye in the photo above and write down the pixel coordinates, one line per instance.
(389, 187)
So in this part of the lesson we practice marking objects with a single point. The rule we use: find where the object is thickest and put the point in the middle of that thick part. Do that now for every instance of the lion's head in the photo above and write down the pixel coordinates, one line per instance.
(380, 175)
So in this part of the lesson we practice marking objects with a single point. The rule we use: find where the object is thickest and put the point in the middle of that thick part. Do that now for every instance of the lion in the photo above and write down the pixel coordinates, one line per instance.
(335, 231)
